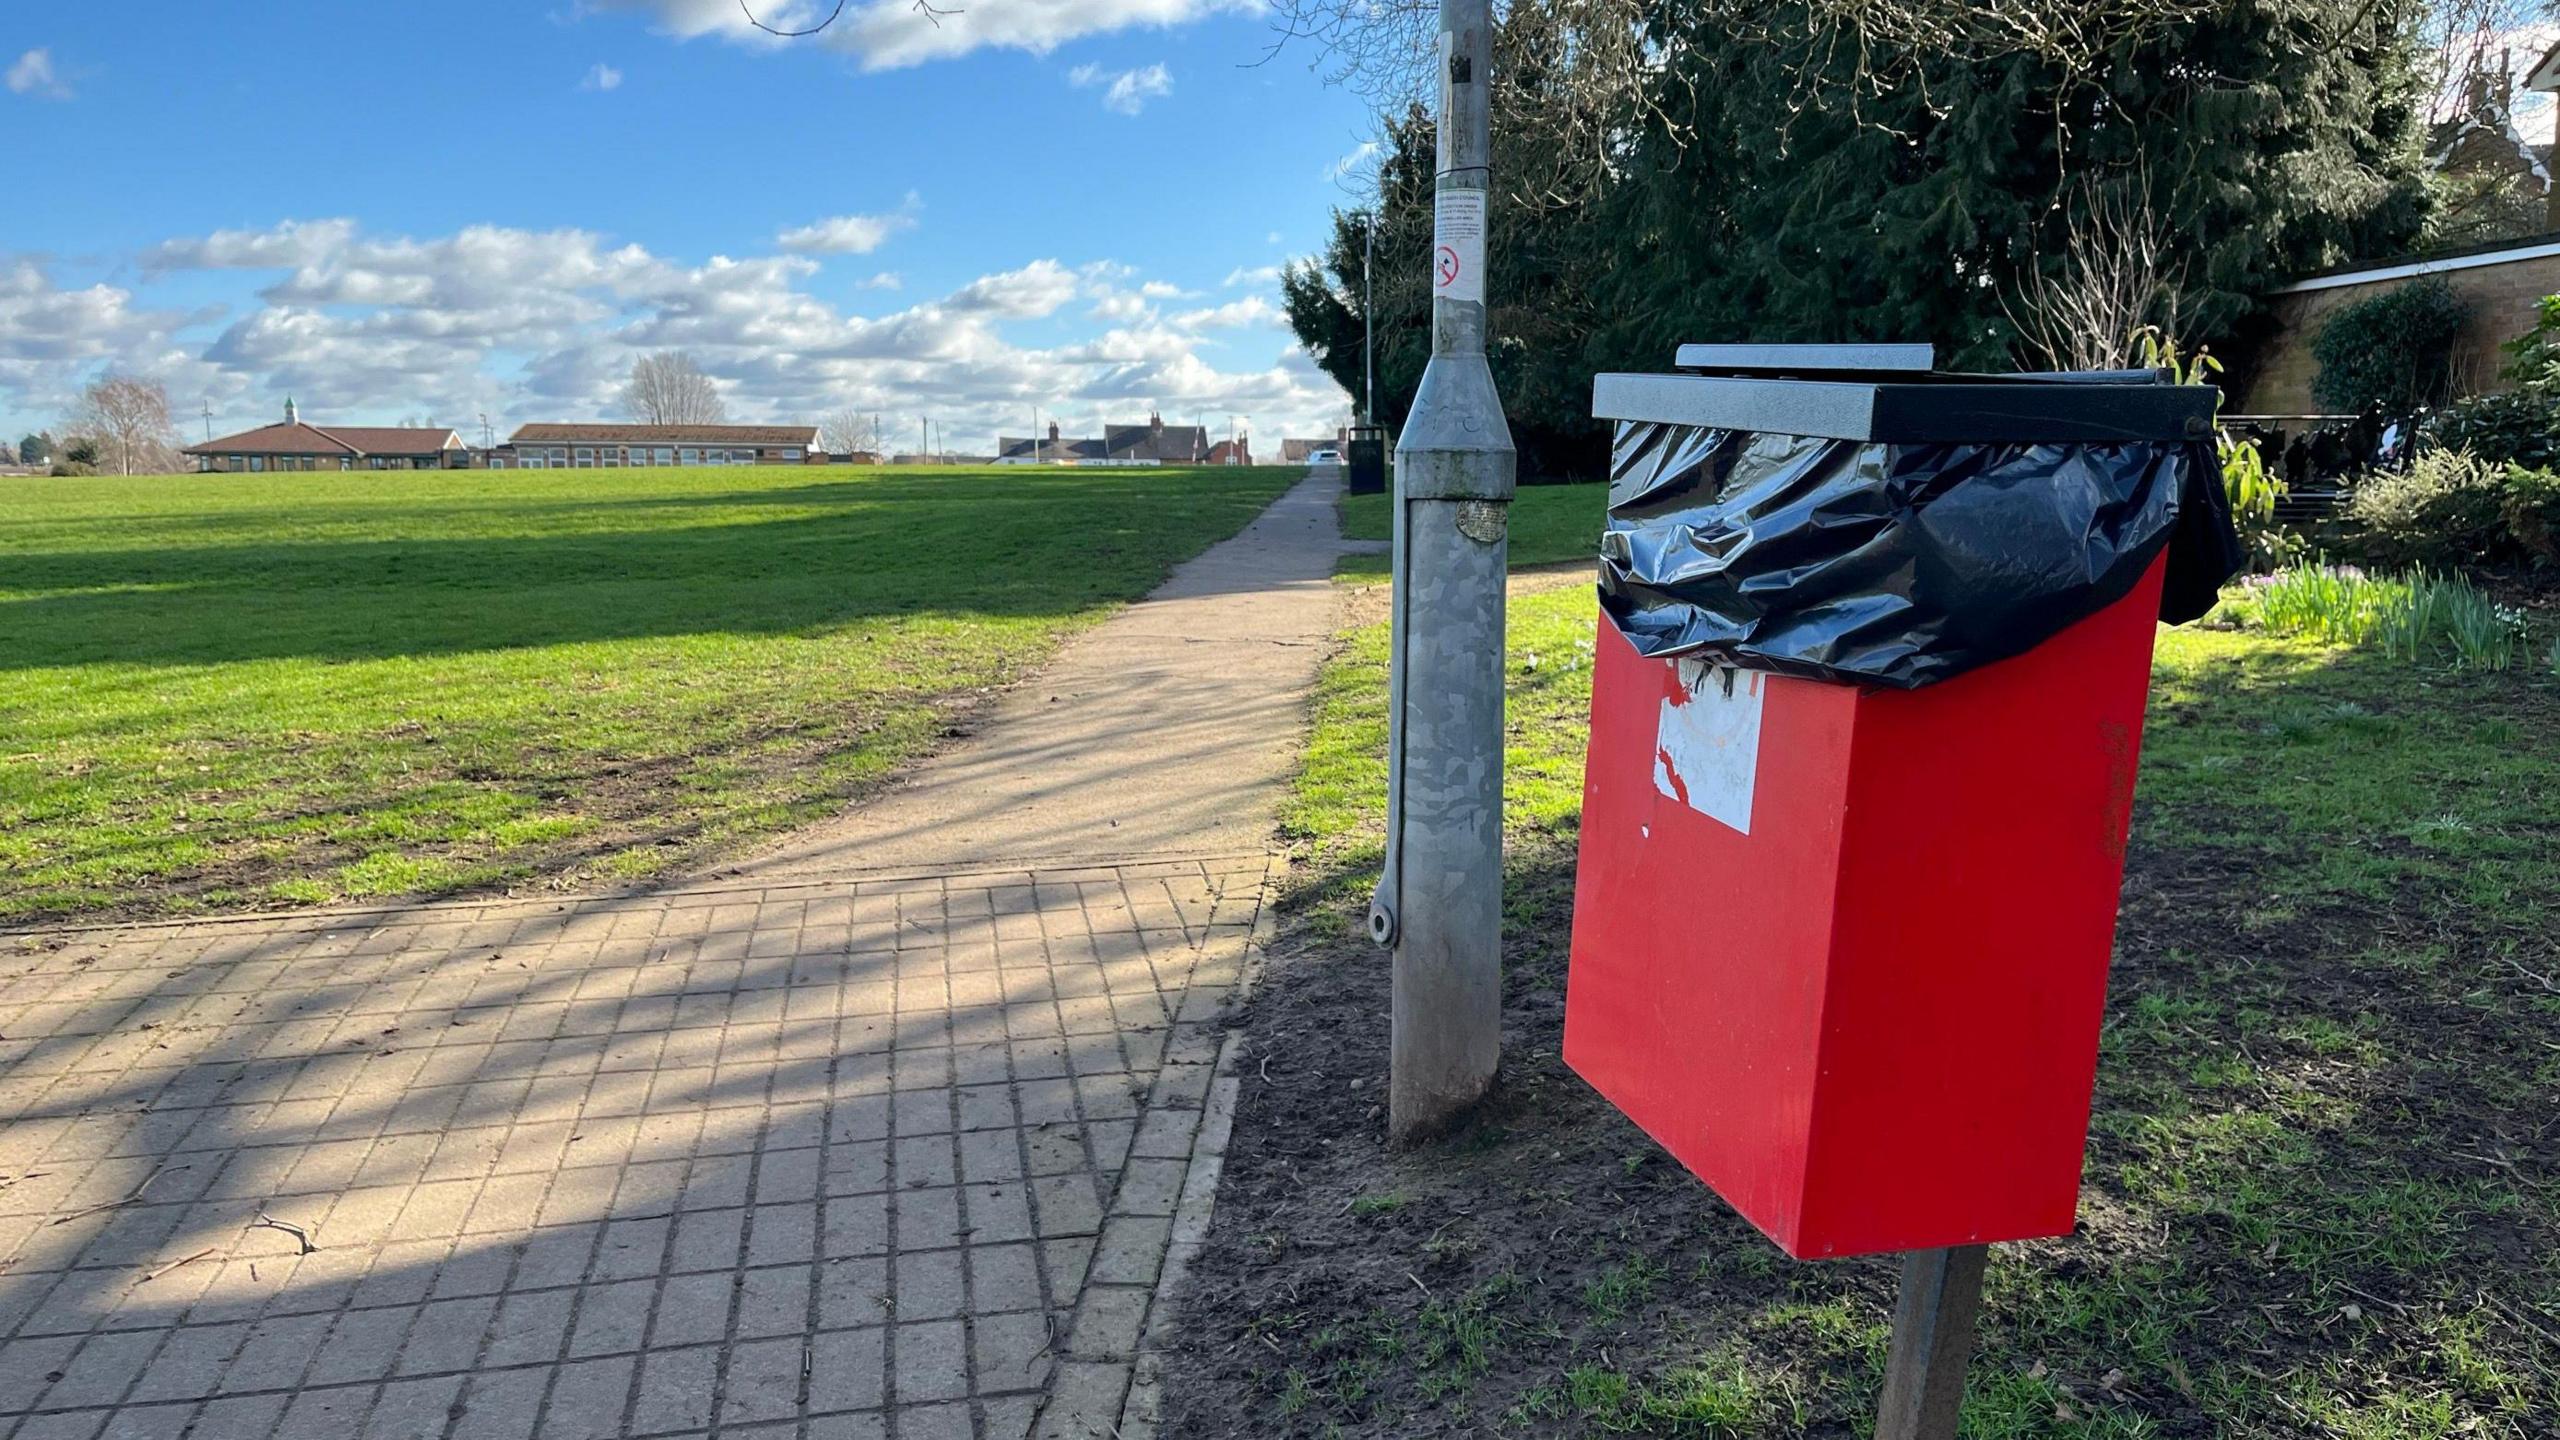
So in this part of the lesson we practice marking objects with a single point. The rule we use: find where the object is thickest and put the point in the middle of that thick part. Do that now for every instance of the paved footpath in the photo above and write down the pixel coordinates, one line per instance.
(893, 1132)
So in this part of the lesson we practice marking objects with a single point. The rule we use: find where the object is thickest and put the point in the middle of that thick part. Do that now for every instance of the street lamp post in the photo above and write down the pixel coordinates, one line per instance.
(1439, 902)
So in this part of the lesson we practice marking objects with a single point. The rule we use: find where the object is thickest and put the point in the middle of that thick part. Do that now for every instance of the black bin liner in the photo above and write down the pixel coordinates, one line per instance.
(1892, 562)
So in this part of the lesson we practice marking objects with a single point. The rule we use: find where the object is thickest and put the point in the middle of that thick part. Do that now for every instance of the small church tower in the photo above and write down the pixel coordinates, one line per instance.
(290, 416)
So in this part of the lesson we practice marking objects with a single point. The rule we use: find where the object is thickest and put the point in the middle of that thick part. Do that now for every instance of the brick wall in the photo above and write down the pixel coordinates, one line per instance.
(2502, 297)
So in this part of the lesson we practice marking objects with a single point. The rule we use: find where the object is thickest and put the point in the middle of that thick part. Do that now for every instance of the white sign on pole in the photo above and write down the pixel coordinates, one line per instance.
(1457, 246)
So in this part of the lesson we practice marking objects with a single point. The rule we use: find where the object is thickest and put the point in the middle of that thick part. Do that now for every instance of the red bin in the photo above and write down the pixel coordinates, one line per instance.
(1842, 949)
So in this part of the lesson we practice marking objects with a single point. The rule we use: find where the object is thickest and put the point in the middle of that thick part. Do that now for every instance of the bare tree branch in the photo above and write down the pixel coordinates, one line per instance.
(668, 388)
(128, 420)
(852, 432)
(923, 7)
(2115, 279)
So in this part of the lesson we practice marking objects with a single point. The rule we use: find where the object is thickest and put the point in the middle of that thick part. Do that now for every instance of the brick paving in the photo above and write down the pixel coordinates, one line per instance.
(891, 1157)
(817, 1148)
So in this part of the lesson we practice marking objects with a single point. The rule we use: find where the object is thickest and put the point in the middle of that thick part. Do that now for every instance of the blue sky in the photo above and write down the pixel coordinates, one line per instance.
(440, 210)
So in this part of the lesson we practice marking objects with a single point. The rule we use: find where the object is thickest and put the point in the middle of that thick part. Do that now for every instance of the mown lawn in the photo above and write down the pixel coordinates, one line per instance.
(1550, 525)
(2322, 1196)
(240, 690)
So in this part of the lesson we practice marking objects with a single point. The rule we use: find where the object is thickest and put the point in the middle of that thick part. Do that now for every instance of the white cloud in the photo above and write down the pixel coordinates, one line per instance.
(1125, 92)
(1253, 275)
(1039, 288)
(886, 280)
(33, 74)
(295, 242)
(893, 34)
(1120, 306)
(543, 325)
(602, 77)
(1356, 157)
(1234, 315)
(53, 340)
(853, 234)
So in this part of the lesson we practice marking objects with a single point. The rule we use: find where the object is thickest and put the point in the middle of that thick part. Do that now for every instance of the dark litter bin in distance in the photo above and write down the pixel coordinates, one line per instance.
(1368, 460)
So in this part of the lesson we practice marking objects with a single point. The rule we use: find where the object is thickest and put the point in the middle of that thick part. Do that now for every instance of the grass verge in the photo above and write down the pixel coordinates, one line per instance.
(1550, 525)
(248, 690)
(2323, 1188)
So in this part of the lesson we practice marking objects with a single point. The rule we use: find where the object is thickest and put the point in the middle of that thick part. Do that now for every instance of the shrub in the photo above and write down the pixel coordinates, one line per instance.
(2519, 427)
(2534, 356)
(2338, 605)
(2391, 355)
(2253, 490)
(2532, 506)
(2446, 509)
(2422, 617)
(74, 467)
(2477, 632)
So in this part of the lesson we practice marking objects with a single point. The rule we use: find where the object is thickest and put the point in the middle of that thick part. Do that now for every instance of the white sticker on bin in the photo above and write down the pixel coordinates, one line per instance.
(1706, 750)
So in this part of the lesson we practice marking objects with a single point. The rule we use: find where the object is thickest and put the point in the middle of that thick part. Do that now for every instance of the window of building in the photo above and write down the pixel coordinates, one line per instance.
(666, 456)
(689, 457)
(792, 456)
(586, 457)
(257, 463)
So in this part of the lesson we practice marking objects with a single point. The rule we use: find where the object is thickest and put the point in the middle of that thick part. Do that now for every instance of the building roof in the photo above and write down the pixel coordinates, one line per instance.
(1052, 447)
(805, 436)
(353, 440)
(2468, 257)
(1155, 440)
(2545, 74)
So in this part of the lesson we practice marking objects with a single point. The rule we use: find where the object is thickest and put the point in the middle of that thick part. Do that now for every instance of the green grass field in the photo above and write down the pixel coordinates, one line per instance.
(1550, 525)
(240, 690)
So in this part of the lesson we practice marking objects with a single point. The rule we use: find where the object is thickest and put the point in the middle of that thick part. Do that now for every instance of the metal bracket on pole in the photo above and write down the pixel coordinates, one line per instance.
(1932, 1343)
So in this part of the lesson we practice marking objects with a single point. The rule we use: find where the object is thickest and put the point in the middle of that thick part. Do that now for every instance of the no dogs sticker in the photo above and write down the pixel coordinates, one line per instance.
(1457, 246)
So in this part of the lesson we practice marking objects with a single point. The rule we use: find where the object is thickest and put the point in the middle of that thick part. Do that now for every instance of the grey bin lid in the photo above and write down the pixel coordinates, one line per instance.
(1887, 394)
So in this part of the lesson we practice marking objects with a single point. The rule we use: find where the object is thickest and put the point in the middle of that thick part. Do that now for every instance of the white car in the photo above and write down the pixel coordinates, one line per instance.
(1325, 457)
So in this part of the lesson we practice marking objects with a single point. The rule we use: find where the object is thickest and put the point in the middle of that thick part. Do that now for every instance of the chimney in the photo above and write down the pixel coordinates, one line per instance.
(1053, 432)
(1155, 423)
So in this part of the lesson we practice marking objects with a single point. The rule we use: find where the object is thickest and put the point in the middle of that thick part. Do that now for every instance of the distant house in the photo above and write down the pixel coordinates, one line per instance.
(294, 445)
(1299, 452)
(1154, 443)
(1238, 451)
(616, 447)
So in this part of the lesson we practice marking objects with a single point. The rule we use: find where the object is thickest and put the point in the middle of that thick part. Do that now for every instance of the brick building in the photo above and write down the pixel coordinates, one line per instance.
(295, 445)
(2501, 283)
(615, 447)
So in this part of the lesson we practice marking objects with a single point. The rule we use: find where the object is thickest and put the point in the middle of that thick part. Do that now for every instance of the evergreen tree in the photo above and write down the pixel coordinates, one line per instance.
(1769, 191)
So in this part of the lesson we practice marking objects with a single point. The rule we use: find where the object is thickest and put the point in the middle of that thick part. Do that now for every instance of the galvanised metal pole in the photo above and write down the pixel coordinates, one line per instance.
(1439, 903)
(1368, 328)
